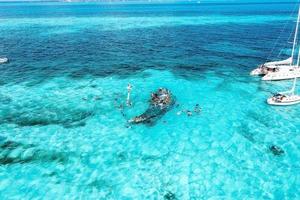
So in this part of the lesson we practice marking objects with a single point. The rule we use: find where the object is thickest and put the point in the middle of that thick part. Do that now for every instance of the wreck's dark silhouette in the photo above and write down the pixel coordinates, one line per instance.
(161, 101)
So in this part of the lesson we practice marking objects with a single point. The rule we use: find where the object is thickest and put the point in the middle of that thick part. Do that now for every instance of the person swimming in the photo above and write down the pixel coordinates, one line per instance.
(189, 113)
(276, 150)
(197, 109)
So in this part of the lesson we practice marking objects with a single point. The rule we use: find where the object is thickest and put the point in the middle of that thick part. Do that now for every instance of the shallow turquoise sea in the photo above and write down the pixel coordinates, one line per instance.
(62, 135)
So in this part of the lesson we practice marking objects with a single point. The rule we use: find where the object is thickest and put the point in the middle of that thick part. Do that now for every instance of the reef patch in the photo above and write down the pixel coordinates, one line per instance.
(17, 153)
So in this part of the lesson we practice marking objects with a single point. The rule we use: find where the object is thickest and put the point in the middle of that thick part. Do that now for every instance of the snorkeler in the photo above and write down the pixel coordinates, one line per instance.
(197, 109)
(276, 150)
(189, 113)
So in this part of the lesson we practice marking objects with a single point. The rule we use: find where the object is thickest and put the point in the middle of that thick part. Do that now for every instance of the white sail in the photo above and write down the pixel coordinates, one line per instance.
(288, 61)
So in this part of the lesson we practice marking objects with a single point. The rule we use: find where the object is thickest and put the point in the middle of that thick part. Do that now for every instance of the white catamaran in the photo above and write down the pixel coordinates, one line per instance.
(280, 70)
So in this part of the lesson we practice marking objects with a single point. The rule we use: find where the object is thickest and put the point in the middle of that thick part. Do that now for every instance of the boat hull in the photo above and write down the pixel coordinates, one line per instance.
(263, 70)
(282, 75)
(290, 100)
(257, 72)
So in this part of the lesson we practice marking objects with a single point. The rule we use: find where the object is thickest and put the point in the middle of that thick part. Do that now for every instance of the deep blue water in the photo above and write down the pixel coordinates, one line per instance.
(62, 135)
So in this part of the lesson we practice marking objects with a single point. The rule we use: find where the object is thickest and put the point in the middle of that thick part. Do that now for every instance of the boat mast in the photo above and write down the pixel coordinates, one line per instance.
(295, 37)
(295, 79)
(294, 85)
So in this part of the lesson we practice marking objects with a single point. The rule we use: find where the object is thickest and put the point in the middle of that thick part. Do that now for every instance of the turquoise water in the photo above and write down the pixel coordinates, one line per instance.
(64, 137)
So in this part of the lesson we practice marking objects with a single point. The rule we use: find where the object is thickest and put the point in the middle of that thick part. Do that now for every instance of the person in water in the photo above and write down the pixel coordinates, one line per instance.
(276, 150)
(197, 109)
(160, 90)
